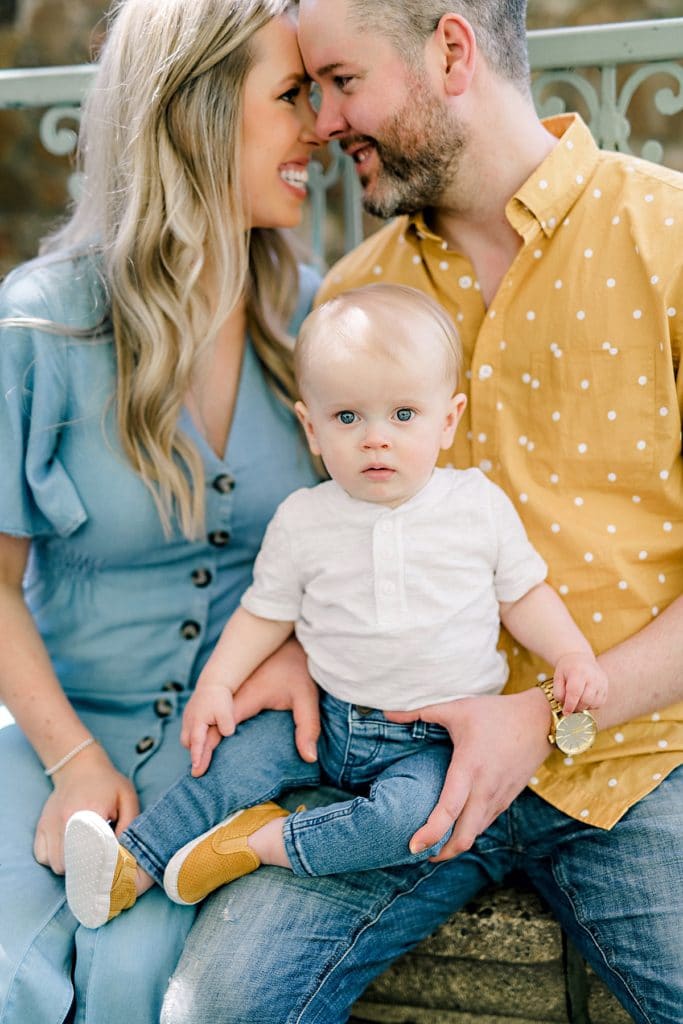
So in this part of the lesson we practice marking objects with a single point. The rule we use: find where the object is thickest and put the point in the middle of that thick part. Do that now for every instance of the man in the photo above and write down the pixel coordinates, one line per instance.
(562, 269)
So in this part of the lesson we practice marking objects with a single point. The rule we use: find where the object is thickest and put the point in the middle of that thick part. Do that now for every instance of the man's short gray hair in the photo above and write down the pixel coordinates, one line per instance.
(499, 25)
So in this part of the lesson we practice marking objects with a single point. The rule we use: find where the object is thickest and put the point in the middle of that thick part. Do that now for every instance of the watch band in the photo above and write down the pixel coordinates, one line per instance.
(547, 686)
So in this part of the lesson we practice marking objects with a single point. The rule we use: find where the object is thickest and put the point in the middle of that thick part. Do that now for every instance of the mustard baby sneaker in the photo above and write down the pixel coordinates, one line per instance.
(218, 856)
(100, 874)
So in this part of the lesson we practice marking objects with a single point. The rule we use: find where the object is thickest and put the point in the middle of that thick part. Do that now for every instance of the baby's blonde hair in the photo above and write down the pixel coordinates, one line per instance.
(340, 320)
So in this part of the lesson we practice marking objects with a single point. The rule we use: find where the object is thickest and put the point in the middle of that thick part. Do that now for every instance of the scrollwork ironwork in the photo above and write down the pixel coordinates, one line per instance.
(665, 100)
(60, 140)
(607, 107)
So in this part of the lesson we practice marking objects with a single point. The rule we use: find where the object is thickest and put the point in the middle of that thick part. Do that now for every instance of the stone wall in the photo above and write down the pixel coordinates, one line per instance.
(501, 960)
(47, 32)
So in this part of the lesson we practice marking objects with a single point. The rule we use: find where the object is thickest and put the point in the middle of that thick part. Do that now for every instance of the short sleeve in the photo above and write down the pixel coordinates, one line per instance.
(277, 591)
(519, 566)
(36, 497)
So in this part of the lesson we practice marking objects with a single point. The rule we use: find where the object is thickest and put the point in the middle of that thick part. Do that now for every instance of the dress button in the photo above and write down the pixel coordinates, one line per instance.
(163, 707)
(219, 538)
(145, 744)
(190, 630)
(223, 483)
(173, 687)
(201, 577)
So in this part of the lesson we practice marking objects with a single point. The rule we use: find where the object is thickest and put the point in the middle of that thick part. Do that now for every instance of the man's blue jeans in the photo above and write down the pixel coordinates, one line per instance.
(276, 948)
(396, 772)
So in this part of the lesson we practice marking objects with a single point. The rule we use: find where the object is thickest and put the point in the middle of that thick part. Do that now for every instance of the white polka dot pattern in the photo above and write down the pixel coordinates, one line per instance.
(573, 410)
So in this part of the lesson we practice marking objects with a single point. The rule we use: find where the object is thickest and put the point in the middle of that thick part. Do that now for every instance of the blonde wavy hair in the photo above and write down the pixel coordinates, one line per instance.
(161, 154)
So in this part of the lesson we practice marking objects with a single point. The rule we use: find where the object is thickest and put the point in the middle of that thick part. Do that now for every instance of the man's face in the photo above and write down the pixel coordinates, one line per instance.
(384, 111)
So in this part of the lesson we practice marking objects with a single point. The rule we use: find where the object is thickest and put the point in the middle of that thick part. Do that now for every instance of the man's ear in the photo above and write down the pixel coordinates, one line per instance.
(456, 408)
(304, 418)
(457, 47)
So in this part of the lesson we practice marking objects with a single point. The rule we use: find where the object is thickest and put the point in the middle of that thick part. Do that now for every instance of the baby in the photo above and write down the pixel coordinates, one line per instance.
(395, 577)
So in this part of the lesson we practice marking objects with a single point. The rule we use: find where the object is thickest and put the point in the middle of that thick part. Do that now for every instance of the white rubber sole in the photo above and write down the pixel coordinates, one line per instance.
(178, 859)
(90, 854)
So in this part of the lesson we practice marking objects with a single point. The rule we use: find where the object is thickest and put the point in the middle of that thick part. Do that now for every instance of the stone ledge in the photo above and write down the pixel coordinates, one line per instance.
(500, 960)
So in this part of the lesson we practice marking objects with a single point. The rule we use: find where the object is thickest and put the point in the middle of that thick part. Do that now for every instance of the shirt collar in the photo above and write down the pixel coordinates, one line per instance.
(547, 196)
(435, 488)
(550, 192)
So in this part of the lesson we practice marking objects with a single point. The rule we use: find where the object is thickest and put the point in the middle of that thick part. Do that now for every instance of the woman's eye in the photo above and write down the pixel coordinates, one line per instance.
(291, 95)
(346, 417)
(404, 415)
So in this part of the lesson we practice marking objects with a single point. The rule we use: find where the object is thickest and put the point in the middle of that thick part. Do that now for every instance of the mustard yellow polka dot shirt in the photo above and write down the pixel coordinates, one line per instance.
(575, 404)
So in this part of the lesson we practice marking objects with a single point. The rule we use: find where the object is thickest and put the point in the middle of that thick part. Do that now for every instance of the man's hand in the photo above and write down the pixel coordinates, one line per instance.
(90, 782)
(498, 742)
(209, 709)
(282, 683)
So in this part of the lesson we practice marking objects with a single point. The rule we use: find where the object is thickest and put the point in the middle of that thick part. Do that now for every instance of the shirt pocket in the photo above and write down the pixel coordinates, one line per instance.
(601, 411)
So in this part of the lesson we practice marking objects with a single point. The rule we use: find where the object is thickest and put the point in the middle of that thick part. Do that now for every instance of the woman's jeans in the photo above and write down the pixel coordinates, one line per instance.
(396, 772)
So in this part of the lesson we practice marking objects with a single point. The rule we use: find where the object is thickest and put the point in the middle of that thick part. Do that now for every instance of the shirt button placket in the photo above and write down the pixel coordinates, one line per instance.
(388, 566)
(219, 507)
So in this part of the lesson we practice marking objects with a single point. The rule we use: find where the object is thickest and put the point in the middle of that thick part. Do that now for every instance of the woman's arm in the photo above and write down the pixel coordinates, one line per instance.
(31, 691)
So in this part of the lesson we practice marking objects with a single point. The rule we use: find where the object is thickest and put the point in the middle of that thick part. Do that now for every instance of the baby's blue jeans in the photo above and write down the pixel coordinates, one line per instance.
(395, 771)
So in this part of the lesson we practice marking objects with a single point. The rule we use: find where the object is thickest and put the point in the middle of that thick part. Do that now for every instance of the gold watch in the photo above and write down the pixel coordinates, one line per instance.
(572, 734)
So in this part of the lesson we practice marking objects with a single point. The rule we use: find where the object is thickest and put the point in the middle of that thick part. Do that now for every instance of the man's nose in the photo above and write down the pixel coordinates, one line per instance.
(329, 123)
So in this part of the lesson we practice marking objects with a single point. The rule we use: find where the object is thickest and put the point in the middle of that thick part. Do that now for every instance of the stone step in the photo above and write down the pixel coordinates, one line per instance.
(501, 960)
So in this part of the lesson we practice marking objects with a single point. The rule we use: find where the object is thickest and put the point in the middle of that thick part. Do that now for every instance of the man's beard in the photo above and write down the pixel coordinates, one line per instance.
(419, 149)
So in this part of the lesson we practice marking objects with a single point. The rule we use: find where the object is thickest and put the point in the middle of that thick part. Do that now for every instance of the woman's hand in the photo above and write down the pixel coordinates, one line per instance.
(89, 782)
(282, 683)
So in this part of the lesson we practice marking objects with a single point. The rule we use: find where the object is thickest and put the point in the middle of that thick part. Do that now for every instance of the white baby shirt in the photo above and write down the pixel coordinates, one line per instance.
(397, 607)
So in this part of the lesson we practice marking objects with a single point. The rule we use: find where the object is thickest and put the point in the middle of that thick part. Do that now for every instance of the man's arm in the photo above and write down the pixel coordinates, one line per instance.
(500, 741)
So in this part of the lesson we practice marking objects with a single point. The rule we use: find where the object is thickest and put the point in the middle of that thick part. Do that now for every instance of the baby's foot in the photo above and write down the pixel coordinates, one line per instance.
(100, 874)
(218, 856)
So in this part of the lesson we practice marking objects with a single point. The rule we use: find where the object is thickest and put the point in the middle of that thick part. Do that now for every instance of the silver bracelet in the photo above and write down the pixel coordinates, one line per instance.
(68, 757)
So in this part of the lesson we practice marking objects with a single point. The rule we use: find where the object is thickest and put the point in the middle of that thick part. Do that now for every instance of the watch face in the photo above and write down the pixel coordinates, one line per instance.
(576, 733)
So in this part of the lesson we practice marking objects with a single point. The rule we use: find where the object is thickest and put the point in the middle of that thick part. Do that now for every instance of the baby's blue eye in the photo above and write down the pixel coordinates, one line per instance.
(346, 417)
(404, 415)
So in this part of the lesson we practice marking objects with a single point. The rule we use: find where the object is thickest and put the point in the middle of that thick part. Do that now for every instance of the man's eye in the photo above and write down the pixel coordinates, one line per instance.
(346, 417)
(342, 81)
(404, 415)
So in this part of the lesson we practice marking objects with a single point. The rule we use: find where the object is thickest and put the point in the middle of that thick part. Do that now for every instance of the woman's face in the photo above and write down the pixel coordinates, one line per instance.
(279, 131)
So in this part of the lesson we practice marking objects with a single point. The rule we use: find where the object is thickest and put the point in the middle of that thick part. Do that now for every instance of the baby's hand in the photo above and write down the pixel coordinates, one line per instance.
(579, 683)
(209, 706)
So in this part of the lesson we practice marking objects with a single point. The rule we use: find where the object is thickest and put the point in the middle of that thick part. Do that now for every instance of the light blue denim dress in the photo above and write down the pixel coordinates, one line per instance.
(128, 616)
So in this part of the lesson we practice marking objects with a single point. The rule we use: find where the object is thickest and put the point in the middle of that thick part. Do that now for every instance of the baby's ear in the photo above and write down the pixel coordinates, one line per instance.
(304, 418)
(456, 408)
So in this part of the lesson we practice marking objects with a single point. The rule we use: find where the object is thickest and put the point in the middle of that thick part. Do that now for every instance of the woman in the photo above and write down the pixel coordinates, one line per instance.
(146, 441)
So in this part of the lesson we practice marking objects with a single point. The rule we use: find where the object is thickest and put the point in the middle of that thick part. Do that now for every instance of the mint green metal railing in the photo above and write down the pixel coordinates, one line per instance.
(597, 69)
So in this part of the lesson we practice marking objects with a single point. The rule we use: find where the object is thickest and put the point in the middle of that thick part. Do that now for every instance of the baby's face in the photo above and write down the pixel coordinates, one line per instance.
(379, 422)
